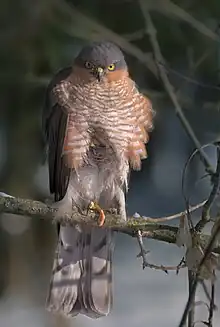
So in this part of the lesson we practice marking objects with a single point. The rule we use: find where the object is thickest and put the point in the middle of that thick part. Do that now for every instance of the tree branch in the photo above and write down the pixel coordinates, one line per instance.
(149, 226)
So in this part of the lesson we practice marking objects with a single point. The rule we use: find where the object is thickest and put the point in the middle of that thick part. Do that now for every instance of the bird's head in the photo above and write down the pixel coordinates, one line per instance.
(101, 61)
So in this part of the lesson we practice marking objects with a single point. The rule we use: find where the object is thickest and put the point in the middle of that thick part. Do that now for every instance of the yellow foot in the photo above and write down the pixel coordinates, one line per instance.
(95, 207)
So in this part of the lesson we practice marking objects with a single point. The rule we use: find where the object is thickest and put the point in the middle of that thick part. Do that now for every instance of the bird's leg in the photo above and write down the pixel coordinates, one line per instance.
(95, 207)
(120, 197)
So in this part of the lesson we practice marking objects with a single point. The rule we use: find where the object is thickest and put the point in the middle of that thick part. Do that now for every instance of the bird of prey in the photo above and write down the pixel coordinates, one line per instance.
(96, 124)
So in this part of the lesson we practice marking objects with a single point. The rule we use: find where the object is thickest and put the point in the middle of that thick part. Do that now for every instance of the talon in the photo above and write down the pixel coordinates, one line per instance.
(94, 206)
(101, 218)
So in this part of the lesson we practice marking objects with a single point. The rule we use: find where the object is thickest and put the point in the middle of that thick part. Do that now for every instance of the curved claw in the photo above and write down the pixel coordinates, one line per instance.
(95, 207)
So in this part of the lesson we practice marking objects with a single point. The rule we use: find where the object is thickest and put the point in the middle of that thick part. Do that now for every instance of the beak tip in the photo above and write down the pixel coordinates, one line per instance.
(99, 73)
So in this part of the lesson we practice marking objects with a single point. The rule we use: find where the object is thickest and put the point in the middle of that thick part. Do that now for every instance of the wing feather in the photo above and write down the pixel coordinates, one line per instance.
(142, 116)
(54, 127)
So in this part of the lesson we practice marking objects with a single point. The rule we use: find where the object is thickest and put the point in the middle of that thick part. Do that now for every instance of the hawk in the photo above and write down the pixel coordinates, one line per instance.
(96, 124)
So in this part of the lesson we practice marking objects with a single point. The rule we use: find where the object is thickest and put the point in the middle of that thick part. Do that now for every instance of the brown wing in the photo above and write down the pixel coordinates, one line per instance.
(69, 95)
(54, 123)
(142, 114)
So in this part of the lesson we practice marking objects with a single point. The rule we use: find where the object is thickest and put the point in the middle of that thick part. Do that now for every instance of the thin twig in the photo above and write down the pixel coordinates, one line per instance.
(207, 251)
(151, 31)
(137, 35)
(208, 204)
(145, 264)
(143, 253)
(187, 198)
(191, 313)
(199, 303)
(212, 305)
(206, 291)
(188, 78)
(177, 215)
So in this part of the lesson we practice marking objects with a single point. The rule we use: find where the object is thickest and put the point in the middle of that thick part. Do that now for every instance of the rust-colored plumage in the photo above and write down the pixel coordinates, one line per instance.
(114, 107)
(96, 124)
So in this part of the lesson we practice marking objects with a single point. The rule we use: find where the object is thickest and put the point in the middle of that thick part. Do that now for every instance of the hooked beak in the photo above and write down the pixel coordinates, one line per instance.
(99, 73)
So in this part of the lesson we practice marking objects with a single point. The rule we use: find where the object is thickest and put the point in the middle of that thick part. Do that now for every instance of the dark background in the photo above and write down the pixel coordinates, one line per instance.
(38, 38)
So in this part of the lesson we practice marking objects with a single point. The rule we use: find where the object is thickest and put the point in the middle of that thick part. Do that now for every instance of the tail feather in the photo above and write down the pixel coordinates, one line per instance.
(82, 273)
(100, 271)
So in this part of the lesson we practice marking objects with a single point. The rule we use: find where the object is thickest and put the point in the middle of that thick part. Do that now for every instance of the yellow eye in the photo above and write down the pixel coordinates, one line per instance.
(88, 65)
(111, 67)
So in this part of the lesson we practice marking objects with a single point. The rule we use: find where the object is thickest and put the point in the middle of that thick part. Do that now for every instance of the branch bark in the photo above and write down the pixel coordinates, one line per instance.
(149, 226)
